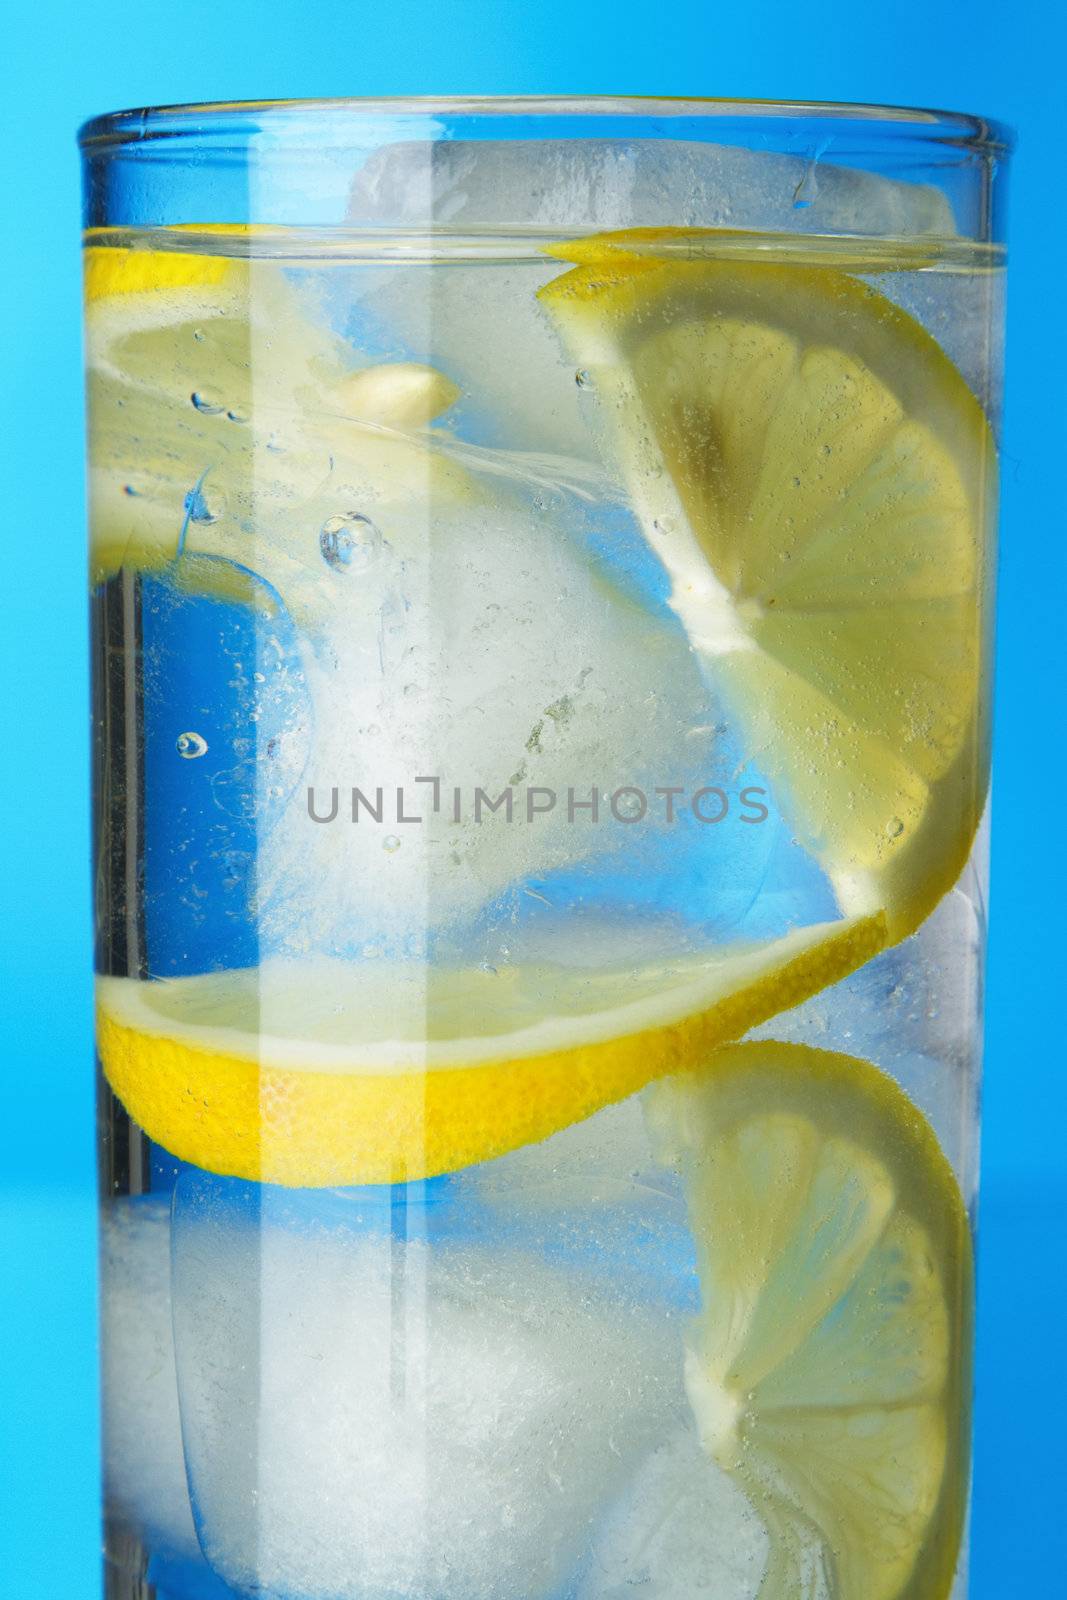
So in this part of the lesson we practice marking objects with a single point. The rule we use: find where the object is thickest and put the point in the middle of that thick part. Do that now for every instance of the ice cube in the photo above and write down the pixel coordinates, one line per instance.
(481, 324)
(593, 1198)
(915, 1011)
(590, 185)
(382, 1397)
(682, 1530)
(962, 308)
(144, 1469)
(454, 625)
(481, 647)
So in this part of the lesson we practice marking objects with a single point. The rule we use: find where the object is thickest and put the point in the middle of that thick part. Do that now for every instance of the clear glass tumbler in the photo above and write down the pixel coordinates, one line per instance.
(542, 568)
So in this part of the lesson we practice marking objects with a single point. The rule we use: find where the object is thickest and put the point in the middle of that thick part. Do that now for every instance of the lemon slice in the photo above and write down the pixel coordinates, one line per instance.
(113, 270)
(830, 1368)
(320, 1073)
(819, 483)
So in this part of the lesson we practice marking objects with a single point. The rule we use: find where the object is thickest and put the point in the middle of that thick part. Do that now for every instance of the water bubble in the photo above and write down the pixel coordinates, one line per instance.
(663, 525)
(629, 805)
(204, 403)
(391, 844)
(584, 379)
(190, 745)
(238, 414)
(198, 335)
(894, 828)
(349, 542)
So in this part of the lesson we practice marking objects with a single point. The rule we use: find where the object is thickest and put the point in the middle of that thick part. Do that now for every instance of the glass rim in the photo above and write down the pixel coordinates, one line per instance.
(146, 124)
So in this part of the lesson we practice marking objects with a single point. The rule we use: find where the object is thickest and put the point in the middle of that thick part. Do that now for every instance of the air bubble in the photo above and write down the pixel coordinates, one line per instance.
(391, 844)
(190, 745)
(349, 542)
(584, 379)
(204, 403)
(894, 828)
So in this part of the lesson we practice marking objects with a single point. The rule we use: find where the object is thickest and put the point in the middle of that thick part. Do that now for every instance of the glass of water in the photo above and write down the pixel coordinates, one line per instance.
(541, 563)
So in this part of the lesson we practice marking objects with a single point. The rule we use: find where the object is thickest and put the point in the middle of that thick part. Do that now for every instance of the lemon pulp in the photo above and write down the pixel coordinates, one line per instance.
(819, 483)
(829, 1368)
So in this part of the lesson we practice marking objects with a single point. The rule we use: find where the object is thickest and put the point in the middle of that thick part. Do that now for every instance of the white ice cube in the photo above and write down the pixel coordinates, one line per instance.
(477, 645)
(381, 1404)
(962, 309)
(589, 185)
(915, 1011)
(453, 624)
(682, 1530)
(481, 323)
(144, 1470)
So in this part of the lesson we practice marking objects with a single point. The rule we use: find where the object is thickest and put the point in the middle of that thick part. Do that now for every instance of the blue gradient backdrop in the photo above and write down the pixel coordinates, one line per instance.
(62, 62)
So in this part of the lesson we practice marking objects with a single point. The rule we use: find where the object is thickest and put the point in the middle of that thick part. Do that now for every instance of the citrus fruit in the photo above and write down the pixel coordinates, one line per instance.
(313, 1073)
(819, 483)
(829, 1370)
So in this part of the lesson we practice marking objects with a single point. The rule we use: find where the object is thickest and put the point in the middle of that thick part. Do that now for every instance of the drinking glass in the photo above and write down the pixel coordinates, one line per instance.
(542, 572)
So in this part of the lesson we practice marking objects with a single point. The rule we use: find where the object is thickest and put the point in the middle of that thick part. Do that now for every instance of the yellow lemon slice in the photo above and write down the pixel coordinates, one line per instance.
(830, 1369)
(321, 1073)
(820, 485)
(109, 272)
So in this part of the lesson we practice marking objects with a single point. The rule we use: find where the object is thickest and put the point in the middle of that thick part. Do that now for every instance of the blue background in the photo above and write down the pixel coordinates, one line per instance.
(65, 61)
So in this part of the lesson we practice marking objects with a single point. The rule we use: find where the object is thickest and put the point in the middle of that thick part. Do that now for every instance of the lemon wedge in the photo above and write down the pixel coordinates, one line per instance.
(319, 1073)
(830, 1368)
(819, 483)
